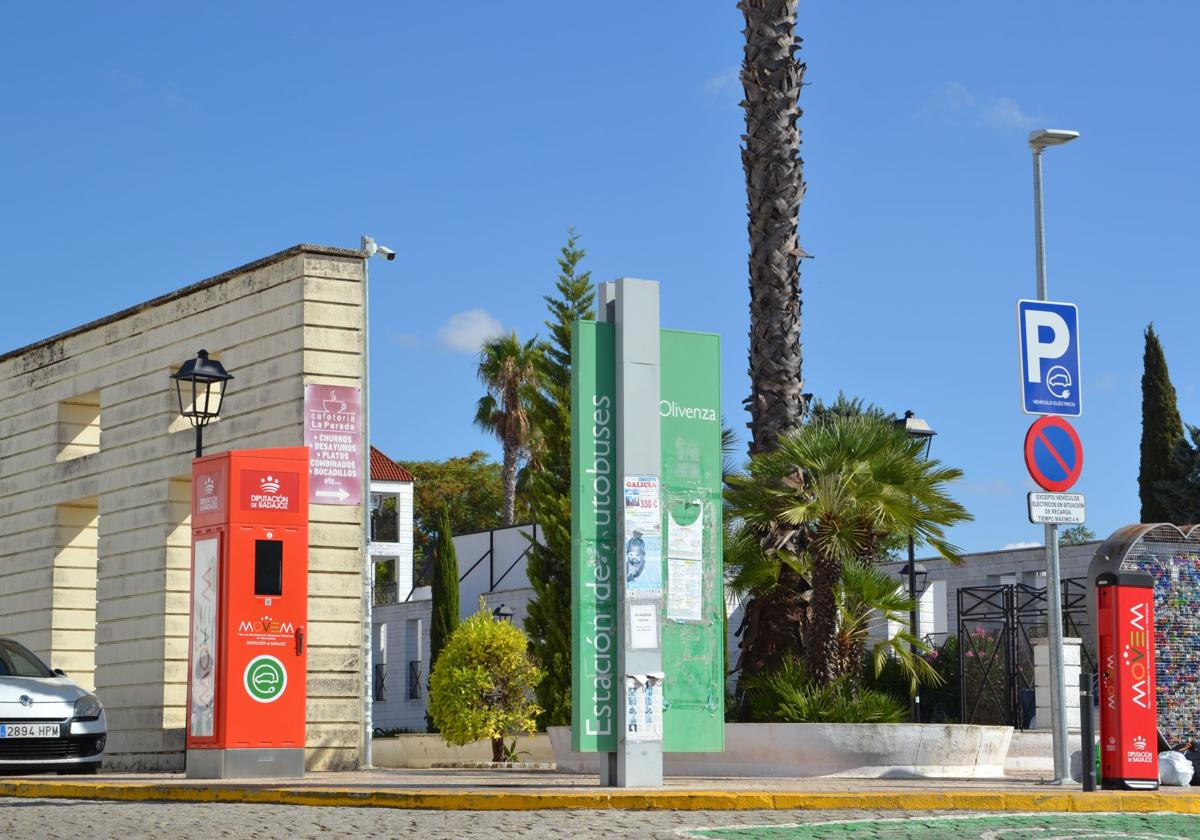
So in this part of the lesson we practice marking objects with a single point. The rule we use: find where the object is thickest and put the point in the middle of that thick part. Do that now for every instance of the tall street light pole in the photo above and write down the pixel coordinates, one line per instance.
(1039, 141)
(917, 429)
(370, 248)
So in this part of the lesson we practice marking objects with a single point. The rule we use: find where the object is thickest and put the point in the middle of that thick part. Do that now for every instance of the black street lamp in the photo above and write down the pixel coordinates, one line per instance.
(200, 383)
(919, 574)
(916, 428)
(502, 613)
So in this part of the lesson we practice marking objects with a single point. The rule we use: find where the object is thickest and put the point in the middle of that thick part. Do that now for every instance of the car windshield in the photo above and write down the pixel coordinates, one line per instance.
(17, 661)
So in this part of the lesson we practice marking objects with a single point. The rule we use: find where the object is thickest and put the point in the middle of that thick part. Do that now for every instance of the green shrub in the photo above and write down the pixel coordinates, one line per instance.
(943, 703)
(787, 695)
(939, 700)
(482, 685)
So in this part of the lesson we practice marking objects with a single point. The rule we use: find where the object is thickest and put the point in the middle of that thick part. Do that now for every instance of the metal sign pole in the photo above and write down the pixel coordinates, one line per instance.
(1058, 696)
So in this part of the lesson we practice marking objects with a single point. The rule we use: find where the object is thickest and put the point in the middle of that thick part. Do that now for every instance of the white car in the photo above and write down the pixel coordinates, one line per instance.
(47, 722)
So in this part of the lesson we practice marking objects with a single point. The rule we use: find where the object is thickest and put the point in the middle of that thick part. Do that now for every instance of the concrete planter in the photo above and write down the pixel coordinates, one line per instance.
(852, 750)
(420, 751)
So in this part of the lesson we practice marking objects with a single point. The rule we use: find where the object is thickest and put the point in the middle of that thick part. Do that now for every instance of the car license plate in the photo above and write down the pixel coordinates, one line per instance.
(28, 730)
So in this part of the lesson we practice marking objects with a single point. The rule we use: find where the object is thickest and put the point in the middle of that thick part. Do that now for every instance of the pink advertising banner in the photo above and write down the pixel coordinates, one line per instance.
(333, 433)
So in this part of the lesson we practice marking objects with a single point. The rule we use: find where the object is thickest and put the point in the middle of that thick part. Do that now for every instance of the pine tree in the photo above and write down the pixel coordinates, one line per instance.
(1162, 429)
(444, 589)
(549, 565)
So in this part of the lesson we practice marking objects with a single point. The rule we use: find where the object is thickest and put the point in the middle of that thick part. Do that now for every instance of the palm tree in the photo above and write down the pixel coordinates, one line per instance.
(827, 496)
(508, 369)
(771, 80)
(865, 591)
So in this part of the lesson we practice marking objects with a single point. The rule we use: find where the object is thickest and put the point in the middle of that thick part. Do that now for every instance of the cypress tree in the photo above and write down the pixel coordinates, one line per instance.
(548, 622)
(1180, 494)
(1162, 429)
(444, 589)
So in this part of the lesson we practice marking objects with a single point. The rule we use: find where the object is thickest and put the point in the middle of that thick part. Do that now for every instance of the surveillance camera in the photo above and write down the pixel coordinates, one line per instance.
(372, 248)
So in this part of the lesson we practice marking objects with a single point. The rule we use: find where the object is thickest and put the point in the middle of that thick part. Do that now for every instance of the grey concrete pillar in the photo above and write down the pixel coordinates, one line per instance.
(633, 306)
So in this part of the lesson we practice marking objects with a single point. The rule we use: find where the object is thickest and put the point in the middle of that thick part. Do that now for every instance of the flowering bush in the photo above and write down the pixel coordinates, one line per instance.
(985, 678)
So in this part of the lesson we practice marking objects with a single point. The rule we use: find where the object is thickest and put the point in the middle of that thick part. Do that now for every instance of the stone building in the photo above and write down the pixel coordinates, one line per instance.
(95, 462)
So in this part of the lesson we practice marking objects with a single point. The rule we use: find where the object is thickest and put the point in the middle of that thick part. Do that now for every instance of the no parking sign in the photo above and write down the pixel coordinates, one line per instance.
(1053, 454)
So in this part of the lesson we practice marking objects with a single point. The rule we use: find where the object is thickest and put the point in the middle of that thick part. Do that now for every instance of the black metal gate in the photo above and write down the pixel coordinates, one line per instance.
(997, 626)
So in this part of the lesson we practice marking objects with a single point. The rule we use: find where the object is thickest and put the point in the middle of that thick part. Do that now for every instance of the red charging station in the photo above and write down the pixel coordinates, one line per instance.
(247, 660)
(1128, 709)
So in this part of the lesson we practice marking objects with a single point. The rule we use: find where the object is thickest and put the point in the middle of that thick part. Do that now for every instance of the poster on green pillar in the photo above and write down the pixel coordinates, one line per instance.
(693, 603)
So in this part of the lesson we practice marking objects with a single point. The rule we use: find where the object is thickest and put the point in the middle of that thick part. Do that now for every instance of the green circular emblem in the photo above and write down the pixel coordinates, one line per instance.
(265, 679)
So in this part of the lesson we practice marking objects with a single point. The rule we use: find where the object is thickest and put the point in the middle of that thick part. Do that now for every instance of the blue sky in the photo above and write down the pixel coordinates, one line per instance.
(145, 147)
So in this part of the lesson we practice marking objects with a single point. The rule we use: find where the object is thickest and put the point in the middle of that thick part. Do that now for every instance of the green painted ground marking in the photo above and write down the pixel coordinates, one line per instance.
(991, 827)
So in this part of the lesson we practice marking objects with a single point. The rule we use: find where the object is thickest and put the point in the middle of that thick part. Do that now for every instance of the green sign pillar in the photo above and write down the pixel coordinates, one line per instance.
(639, 759)
(648, 609)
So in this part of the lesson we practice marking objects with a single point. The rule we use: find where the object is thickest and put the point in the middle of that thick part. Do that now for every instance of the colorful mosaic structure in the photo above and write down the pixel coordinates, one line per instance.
(1172, 557)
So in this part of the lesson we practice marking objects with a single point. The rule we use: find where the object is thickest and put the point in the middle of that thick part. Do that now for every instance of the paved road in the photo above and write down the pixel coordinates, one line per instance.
(82, 820)
(66, 819)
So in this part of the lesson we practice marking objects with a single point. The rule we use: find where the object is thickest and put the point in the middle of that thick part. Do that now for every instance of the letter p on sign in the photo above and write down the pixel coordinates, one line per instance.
(1039, 324)
(1048, 336)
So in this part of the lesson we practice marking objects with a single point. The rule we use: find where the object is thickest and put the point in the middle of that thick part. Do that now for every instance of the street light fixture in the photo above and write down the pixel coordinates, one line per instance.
(200, 384)
(919, 574)
(1043, 137)
(916, 429)
(1039, 141)
(502, 613)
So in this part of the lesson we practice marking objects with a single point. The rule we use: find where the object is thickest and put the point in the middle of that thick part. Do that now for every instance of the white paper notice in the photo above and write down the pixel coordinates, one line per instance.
(684, 587)
(687, 541)
(643, 626)
(643, 707)
(685, 563)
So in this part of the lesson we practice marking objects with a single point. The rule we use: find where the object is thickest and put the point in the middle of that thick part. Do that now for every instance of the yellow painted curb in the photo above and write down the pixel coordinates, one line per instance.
(600, 799)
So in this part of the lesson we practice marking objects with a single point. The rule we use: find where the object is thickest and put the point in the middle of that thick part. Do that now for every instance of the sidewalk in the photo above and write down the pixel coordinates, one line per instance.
(499, 790)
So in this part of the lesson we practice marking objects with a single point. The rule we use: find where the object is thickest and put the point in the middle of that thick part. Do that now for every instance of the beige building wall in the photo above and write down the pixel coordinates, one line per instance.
(95, 493)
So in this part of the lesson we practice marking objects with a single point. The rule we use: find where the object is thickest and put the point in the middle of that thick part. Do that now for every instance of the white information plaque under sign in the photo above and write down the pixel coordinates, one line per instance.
(1056, 508)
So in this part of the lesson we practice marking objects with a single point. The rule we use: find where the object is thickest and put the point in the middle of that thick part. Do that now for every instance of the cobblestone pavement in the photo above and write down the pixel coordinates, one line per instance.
(69, 819)
(86, 820)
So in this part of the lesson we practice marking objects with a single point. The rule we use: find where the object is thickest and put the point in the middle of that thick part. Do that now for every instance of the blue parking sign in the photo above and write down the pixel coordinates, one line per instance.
(1048, 335)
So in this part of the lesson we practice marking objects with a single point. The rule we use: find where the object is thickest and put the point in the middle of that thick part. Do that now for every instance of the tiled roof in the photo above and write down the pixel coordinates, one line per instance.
(384, 468)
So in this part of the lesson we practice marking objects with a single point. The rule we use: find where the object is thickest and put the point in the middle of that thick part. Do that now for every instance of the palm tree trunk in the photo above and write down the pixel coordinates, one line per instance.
(508, 474)
(821, 645)
(773, 629)
(772, 78)
(771, 81)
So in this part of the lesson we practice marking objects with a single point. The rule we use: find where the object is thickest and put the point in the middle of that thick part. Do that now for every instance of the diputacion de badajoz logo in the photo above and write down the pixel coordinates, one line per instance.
(265, 679)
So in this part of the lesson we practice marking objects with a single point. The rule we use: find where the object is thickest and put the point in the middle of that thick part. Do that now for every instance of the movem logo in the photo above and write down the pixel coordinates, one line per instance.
(266, 626)
(1135, 655)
